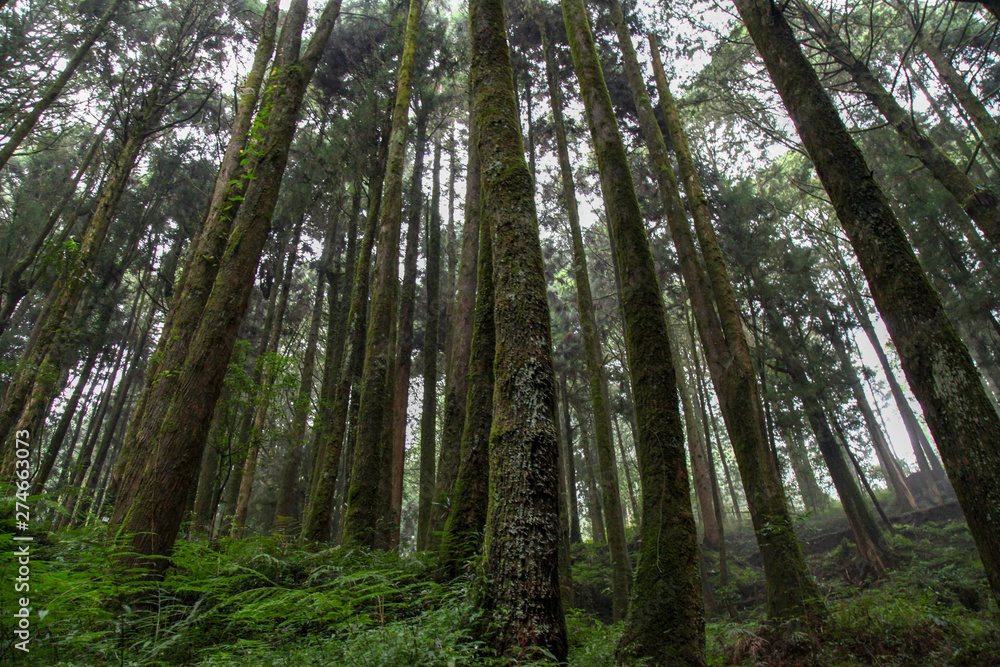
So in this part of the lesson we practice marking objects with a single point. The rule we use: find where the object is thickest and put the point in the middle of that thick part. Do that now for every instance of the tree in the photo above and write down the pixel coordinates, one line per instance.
(151, 523)
(522, 606)
(621, 569)
(666, 592)
(366, 515)
(936, 362)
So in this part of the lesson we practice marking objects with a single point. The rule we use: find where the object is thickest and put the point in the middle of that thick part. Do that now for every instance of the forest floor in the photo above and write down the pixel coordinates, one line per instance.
(265, 603)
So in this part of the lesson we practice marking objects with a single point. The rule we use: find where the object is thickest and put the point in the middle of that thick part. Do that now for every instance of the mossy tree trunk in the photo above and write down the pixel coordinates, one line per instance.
(194, 286)
(699, 465)
(338, 303)
(665, 620)
(621, 570)
(317, 520)
(464, 528)
(449, 459)
(522, 606)
(363, 520)
(936, 362)
(790, 588)
(154, 518)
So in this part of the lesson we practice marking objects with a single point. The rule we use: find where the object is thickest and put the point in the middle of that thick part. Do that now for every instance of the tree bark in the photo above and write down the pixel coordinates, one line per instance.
(913, 428)
(407, 310)
(194, 286)
(869, 539)
(463, 530)
(321, 505)
(621, 570)
(158, 507)
(449, 460)
(456, 387)
(522, 605)
(665, 621)
(813, 498)
(791, 591)
(598, 531)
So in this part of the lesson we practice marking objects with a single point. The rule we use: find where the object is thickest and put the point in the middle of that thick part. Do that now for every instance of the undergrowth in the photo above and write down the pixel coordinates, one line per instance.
(263, 602)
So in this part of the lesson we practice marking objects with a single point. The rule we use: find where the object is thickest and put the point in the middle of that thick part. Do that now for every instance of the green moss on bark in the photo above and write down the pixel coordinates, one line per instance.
(937, 364)
(665, 619)
(521, 603)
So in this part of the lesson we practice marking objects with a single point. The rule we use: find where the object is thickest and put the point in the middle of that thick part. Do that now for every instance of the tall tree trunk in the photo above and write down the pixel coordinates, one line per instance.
(463, 530)
(937, 364)
(890, 467)
(621, 570)
(627, 466)
(206, 496)
(371, 455)
(284, 509)
(407, 311)
(595, 512)
(699, 467)
(449, 460)
(158, 508)
(790, 589)
(665, 620)
(456, 386)
(338, 303)
(981, 205)
(522, 606)
(321, 505)
(81, 462)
